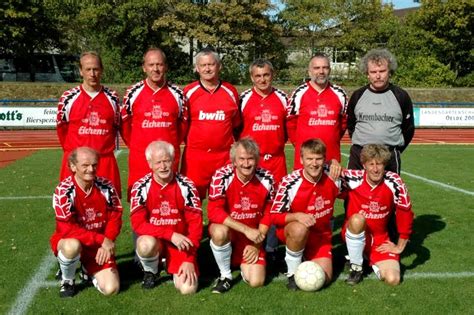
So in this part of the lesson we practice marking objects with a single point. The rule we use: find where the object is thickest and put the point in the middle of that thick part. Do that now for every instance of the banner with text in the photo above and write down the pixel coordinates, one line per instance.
(11, 116)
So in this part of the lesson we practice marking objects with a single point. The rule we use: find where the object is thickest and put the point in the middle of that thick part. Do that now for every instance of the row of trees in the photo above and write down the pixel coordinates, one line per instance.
(433, 44)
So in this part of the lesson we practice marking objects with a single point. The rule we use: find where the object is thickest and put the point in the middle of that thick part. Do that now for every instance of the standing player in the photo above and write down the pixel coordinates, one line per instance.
(88, 220)
(166, 214)
(264, 110)
(373, 194)
(303, 209)
(213, 119)
(153, 109)
(89, 115)
(318, 110)
(239, 203)
(380, 112)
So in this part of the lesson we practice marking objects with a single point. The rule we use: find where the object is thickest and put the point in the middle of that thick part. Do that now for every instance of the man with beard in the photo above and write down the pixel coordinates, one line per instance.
(317, 109)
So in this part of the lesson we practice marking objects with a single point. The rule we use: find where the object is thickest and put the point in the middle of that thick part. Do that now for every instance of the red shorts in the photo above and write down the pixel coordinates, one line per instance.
(371, 244)
(88, 254)
(200, 165)
(276, 164)
(107, 168)
(318, 245)
(238, 242)
(174, 257)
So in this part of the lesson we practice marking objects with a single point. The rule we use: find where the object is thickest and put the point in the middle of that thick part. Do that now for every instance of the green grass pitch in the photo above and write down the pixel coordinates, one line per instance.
(437, 266)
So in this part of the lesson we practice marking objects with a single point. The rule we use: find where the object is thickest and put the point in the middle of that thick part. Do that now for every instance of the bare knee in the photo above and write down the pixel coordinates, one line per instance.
(110, 288)
(219, 234)
(70, 247)
(256, 282)
(147, 246)
(296, 232)
(392, 278)
(186, 289)
(356, 223)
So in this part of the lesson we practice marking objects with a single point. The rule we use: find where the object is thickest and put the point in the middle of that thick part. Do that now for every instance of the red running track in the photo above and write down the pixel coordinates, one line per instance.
(15, 144)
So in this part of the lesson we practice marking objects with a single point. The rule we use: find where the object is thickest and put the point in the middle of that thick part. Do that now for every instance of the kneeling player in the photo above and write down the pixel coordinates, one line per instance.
(303, 208)
(239, 203)
(167, 217)
(88, 220)
(373, 194)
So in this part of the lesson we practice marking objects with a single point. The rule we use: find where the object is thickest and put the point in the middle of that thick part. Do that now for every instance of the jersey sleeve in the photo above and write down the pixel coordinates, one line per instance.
(217, 204)
(62, 122)
(280, 206)
(403, 208)
(114, 223)
(126, 116)
(194, 223)
(291, 119)
(351, 118)
(408, 122)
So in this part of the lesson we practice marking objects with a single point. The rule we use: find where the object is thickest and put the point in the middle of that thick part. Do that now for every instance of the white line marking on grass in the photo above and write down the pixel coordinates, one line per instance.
(26, 197)
(26, 295)
(433, 182)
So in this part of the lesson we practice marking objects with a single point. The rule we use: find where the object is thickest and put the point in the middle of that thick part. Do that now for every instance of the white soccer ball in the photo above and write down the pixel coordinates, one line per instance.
(309, 276)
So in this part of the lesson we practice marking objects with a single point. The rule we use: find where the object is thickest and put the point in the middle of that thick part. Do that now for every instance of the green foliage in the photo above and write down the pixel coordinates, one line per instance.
(467, 81)
(424, 71)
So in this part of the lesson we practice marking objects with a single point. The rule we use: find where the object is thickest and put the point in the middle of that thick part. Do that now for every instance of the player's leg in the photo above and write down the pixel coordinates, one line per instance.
(222, 251)
(184, 285)
(355, 242)
(326, 264)
(296, 235)
(69, 254)
(107, 281)
(388, 271)
(148, 252)
(253, 274)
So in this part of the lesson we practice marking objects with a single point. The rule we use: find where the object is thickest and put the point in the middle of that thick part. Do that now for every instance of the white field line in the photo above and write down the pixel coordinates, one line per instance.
(117, 153)
(433, 182)
(27, 294)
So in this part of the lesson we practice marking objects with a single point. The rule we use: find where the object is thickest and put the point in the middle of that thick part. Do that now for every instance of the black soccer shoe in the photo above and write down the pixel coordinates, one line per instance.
(355, 275)
(222, 285)
(68, 289)
(149, 280)
(291, 285)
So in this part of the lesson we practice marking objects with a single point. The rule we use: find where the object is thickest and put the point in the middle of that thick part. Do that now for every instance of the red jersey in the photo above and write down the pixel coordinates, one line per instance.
(160, 211)
(85, 121)
(376, 203)
(147, 116)
(297, 194)
(213, 116)
(248, 203)
(317, 115)
(264, 118)
(88, 217)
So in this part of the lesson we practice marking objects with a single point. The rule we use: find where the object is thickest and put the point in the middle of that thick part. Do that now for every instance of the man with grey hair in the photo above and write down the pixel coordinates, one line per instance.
(213, 119)
(240, 198)
(380, 112)
(165, 212)
(317, 109)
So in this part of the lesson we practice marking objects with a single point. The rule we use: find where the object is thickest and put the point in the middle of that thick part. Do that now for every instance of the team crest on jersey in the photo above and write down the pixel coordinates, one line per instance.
(165, 208)
(319, 203)
(266, 116)
(90, 214)
(93, 119)
(245, 203)
(157, 113)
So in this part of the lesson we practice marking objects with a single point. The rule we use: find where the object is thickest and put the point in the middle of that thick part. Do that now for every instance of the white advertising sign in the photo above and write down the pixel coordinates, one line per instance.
(446, 117)
(27, 116)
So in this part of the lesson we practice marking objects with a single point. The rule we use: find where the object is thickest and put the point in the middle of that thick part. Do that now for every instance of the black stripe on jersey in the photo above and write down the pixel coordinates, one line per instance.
(111, 95)
(129, 95)
(106, 188)
(264, 174)
(287, 183)
(68, 97)
(191, 197)
(292, 99)
(141, 187)
(394, 183)
(176, 89)
(281, 93)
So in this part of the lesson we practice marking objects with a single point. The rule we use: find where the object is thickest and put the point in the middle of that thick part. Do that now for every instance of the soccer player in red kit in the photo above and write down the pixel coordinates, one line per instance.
(264, 111)
(166, 215)
(240, 198)
(213, 119)
(153, 109)
(317, 109)
(88, 220)
(89, 115)
(373, 195)
(303, 208)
